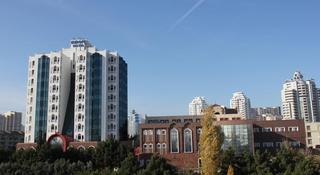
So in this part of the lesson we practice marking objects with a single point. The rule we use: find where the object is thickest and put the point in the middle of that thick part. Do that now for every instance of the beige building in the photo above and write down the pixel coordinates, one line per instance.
(313, 135)
(11, 121)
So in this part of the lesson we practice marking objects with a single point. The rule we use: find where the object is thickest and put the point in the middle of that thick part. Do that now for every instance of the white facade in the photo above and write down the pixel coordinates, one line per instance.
(197, 106)
(59, 88)
(300, 99)
(313, 135)
(134, 121)
(242, 103)
(79, 91)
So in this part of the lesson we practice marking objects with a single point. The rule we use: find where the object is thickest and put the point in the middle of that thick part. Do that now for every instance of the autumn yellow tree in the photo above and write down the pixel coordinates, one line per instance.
(230, 170)
(211, 140)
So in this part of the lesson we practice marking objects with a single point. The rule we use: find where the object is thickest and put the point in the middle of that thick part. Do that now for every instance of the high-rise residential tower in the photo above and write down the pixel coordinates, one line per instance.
(78, 91)
(134, 121)
(275, 111)
(300, 99)
(197, 106)
(12, 121)
(242, 103)
(2, 122)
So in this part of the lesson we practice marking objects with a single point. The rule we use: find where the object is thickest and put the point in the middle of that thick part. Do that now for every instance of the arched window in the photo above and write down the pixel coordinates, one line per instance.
(53, 98)
(159, 147)
(79, 127)
(187, 140)
(199, 130)
(164, 148)
(54, 108)
(158, 131)
(54, 88)
(174, 140)
(52, 128)
(163, 132)
(81, 148)
(145, 148)
(151, 148)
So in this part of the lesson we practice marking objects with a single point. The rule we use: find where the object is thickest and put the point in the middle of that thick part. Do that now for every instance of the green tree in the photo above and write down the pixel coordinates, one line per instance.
(262, 162)
(211, 140)
(227, 158)
(157, 165)
(109, 154)
(129, 165)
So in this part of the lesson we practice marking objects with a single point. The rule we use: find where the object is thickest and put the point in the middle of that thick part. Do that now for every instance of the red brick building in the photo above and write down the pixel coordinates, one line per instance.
(176, 138)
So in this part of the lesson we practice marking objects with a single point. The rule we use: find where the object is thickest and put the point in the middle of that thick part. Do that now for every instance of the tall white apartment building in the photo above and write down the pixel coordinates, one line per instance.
(300, 99)
(78, 91)
(197, 106)
(134, 121)
(242, 103)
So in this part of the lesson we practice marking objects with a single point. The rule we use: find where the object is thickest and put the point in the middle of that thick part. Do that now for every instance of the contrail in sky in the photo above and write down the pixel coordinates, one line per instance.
(182, 18)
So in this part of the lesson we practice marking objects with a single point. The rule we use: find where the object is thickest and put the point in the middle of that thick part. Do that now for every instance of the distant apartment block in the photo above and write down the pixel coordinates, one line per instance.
(78, 91)
(300, 99)
(11, 121)
(2, 122)
(275, 111)
(197, 106)
(242, 103)
(134, 121)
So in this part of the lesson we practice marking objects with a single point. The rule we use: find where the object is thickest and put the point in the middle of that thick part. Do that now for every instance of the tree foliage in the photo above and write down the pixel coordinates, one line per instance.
(109, 158)
(211, 140)
(157, 165)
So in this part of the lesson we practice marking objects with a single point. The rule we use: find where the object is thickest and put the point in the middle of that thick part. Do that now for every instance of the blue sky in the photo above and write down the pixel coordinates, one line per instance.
(175, 50)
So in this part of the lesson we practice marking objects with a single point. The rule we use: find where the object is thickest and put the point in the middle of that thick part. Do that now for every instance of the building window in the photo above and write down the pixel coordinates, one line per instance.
(150, 147)
(267, 144)
(280, 129)
(145, 132)
(293, 128)
(309, 141)
(308, 128)
(187, 140)
(164, 146)
(294, 144)
(309, 134)
(278, 144)
(257, 145)
(267, 129)
(112, 69)
(174, 140)
(159, 147)
(199, 131)
(256, 129)
(145, 148)
(163, 132)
